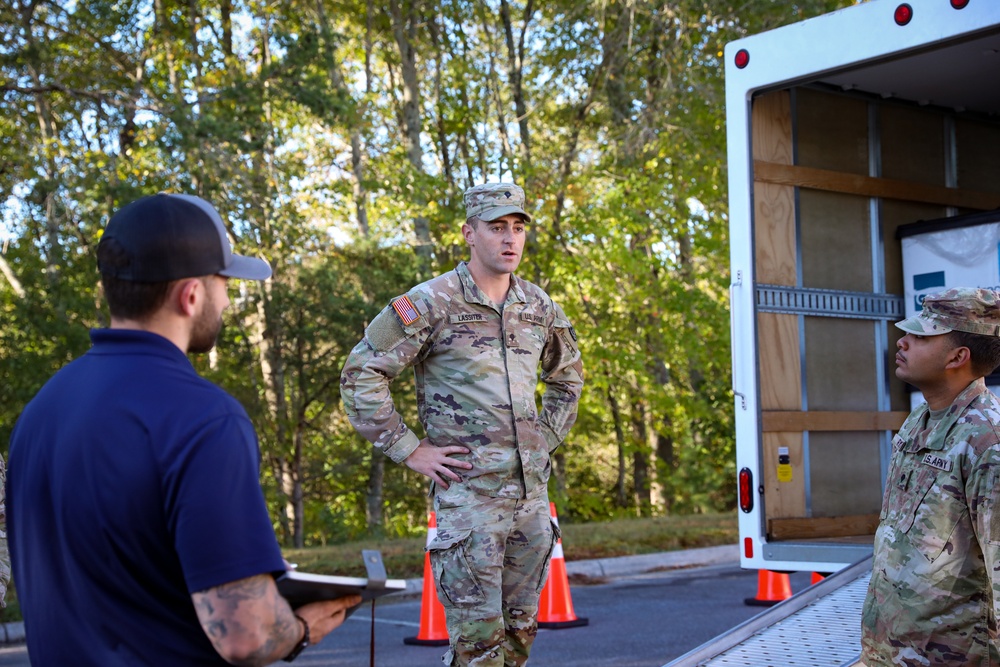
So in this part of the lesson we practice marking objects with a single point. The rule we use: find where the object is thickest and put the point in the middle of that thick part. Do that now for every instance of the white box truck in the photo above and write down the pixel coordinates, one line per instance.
(841, 129)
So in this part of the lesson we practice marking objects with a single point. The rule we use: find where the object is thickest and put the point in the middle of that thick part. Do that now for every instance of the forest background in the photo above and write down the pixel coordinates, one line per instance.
(336, 138)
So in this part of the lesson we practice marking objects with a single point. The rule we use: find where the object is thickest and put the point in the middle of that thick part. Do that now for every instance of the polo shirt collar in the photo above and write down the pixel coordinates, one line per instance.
(133, 341)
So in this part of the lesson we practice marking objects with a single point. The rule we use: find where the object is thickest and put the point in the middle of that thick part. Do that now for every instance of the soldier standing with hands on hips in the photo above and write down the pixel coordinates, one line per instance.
(935, 584)
(476, 338)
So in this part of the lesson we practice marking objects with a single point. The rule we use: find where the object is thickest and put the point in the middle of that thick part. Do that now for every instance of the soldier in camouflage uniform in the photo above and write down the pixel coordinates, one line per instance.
(935, 584)
(475, 338)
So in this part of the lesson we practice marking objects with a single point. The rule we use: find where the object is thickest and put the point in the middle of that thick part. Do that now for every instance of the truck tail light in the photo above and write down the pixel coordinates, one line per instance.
(903, 14)
(742, 58)
(959, 4)
(746, 489)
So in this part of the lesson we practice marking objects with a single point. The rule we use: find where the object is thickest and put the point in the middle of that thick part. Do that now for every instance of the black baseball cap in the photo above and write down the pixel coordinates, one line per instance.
(167, 237)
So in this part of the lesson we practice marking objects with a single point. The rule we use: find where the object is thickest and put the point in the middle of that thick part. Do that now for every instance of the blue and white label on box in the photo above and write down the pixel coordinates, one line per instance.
(966, 256)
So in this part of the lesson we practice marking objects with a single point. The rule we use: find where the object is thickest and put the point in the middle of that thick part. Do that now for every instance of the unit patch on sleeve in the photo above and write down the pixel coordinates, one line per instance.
(404, 308)
(385, 332)
(935, 461)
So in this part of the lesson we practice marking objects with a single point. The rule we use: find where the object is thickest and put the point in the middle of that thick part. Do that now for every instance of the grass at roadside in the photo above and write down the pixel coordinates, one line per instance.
(404, 558)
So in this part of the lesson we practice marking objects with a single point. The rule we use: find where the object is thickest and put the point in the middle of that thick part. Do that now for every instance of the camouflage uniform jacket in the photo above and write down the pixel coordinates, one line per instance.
(476, 369)
(935, 582)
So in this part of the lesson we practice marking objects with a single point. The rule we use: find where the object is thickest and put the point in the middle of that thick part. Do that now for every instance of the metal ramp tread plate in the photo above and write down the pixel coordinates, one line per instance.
(827, 633)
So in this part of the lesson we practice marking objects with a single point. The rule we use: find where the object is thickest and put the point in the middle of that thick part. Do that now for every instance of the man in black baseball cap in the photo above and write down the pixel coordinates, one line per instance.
(158, 241)
(138, 530)
(165, 237)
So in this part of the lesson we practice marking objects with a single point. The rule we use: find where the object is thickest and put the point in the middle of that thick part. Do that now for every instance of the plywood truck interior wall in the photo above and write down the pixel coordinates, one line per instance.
(828, 272)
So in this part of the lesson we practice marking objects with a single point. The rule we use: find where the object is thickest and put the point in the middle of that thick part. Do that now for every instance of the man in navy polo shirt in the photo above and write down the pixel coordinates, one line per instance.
(138, 530)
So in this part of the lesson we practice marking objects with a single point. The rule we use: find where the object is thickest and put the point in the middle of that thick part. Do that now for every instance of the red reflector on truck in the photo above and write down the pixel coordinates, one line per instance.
(742, 58)
(746, 489)
(747, 547)
(959, 4)
(903, 15)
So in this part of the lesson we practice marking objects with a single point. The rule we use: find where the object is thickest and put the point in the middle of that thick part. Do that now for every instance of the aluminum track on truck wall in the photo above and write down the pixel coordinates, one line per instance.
(818, 627)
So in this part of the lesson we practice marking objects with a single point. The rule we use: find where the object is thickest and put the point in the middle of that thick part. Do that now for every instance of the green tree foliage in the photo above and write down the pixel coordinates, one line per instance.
(337, 137)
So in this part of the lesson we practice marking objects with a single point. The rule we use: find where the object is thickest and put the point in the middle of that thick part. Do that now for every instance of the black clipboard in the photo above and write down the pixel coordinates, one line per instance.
(301, 588)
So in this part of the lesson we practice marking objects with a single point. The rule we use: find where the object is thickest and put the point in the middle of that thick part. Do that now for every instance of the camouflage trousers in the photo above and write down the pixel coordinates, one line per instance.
(490, 560)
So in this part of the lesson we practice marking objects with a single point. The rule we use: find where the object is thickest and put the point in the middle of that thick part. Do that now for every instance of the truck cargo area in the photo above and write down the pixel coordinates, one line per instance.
(841, 130)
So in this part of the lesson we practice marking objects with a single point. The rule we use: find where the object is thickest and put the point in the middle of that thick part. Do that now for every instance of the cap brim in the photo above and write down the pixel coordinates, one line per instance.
(501, 211)
(922, 326)
(247, 268)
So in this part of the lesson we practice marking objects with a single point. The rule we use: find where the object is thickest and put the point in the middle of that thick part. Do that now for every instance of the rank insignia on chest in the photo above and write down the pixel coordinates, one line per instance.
(404, 308)
(935, 461)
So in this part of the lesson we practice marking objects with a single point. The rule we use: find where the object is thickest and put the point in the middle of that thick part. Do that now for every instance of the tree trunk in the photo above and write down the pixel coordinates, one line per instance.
(621, 493)
(403, 29)
(357, 151)
(374, 494)
(50, 144)
(493, 86)
(515, 64)
(358, 183)
(226, 18)
(439, 103)
(298, 507)
(665, 469)
(162, 28)
(611, 45)
(270, 331)
(274, 396)
(8, 273)
(515, 72)
(640, 459)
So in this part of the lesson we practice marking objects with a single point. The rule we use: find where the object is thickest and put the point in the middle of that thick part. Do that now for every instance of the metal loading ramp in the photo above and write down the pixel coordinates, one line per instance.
(818, 627)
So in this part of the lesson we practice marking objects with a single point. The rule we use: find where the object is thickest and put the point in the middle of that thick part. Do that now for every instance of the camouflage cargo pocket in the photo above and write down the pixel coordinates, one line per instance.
(453, 571)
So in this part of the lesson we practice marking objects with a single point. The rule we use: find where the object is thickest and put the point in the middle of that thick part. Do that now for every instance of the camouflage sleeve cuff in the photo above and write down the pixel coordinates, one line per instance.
(403, 447)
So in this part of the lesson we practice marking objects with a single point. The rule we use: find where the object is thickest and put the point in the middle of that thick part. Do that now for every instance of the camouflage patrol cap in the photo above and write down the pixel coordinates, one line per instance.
(490, 201)
(973, 310)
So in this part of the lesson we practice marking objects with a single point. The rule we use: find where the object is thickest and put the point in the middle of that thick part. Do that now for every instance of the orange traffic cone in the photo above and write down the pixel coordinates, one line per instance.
(555, 607)
(772, 588)
(433, 628)
(816, 578)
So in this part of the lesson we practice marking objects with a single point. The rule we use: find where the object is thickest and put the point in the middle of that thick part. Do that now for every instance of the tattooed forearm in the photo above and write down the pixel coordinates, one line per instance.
(247, 621)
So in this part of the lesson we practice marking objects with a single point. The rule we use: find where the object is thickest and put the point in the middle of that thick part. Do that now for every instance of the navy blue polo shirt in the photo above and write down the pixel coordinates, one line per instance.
(132, 483)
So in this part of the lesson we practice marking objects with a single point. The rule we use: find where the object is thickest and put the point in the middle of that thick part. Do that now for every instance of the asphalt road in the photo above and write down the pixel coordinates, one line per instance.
(642, 620)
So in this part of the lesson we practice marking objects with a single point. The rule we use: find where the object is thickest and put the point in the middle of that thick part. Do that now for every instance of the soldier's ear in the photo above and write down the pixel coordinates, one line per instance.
(958, 357)
(467, 233)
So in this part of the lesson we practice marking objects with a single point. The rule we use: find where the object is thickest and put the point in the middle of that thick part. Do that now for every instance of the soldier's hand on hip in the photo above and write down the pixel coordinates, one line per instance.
(437, 462)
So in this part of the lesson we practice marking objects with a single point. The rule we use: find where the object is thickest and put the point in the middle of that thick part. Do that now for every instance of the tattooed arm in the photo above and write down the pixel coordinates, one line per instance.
(249, 623)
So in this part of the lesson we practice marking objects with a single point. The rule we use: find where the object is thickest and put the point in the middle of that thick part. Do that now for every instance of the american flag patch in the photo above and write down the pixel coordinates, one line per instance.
(404, 308)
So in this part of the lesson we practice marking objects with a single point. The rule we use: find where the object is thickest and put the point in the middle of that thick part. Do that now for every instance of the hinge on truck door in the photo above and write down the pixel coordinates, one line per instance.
(828, 303)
